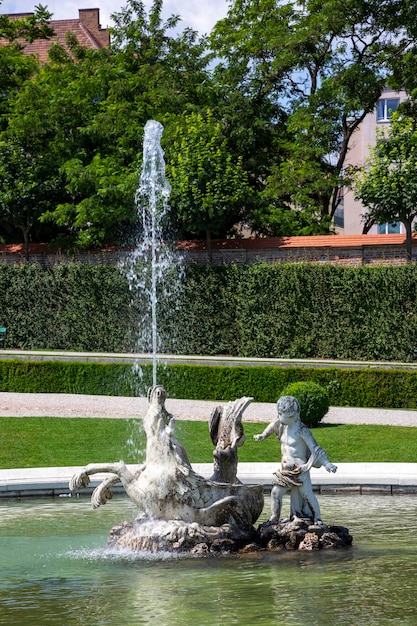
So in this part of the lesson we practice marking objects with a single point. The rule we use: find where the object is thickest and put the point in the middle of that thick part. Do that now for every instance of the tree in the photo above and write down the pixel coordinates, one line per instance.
(162, 73)
(19, 182)
(15, 66)
(147, 74)
(26, 189)
(387, 184)
(325, 63)
(209, 185)
(47, 124)
(29, 28)
(83, 115)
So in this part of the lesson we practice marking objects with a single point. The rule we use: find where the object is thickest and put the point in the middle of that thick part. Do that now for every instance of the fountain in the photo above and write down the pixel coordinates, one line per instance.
(56, 569)
(179, 510)
(154, 268)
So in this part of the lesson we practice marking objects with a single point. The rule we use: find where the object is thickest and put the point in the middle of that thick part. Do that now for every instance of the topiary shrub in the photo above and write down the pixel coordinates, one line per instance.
(313, 400)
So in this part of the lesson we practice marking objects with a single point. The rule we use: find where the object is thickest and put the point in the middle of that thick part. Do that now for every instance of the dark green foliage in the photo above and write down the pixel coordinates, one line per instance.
(66, 307)
(314, 62)
(309, 311)
(227, 383)
(346, 387)
(313, 400)
(263, 311)
(207, 319)
(73, 126)
(366, 388)
(63, 377)
(387, 184)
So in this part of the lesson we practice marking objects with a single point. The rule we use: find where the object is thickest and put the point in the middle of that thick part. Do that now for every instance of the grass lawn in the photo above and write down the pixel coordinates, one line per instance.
(50, 441)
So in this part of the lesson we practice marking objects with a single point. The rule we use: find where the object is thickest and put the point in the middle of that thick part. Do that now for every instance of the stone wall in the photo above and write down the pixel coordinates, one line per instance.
(350, 250)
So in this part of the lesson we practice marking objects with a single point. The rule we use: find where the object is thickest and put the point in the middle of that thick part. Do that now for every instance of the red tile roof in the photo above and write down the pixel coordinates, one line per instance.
(319, 241)
(86, 28)
(35, 248)
(262, 244)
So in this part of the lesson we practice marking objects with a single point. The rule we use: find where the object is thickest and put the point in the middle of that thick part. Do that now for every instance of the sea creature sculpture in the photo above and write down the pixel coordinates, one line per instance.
(166, 487)
(227, 434)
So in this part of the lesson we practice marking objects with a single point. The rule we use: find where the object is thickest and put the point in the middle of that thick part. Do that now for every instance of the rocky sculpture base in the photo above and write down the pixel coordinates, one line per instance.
(303, 534)
(176, 536)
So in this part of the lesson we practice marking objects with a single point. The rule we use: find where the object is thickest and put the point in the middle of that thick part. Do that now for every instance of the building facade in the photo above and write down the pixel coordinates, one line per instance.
(349, 217)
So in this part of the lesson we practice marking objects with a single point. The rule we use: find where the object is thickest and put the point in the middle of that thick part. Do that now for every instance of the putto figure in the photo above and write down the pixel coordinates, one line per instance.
(299, 453)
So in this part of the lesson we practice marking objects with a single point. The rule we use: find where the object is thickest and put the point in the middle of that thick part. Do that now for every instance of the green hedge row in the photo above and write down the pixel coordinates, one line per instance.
(277, 310)
(302, 311)
(346, 387)
(66, 307)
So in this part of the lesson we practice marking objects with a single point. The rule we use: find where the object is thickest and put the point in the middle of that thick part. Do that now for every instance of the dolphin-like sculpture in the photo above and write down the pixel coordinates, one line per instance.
(166, 487)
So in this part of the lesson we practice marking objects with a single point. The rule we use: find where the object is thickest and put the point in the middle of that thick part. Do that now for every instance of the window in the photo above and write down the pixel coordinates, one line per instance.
(386, 108)
(339, 217)
(388, 229)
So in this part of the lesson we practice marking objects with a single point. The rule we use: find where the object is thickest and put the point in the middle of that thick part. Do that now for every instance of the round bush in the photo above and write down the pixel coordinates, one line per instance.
(313, 400)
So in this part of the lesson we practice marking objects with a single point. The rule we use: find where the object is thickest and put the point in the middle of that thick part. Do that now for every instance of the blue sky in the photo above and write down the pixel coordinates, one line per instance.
(201, 15)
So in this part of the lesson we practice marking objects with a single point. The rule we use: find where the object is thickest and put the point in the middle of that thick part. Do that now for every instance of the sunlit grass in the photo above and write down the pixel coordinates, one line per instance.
(54, 442)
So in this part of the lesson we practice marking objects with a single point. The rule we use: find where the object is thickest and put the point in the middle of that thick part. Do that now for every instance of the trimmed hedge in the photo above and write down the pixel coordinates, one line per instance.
(346, 387)
(66, 307)
(310, 311)
(276, 310)
(62, 377)
(313, 400)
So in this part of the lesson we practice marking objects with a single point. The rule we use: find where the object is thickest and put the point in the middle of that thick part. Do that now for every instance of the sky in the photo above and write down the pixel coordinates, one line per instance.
(199, 15)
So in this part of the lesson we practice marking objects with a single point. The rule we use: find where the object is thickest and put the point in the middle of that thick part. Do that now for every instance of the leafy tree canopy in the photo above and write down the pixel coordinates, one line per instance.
(209, 185)
(276, 100)
(83, 115)
(325, 63)
(15, 66)
(28, 28)
(387, 184)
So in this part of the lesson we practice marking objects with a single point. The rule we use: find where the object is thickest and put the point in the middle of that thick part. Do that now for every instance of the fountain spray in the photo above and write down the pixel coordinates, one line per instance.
(151, 267)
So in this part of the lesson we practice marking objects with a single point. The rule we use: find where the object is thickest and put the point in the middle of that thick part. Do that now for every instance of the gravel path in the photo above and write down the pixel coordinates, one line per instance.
(73, 405)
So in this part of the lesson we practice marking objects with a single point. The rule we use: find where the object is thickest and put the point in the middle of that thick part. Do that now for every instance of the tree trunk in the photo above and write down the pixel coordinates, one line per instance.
(25, 232)
(408, 240)
(367, 226)
(209, 248)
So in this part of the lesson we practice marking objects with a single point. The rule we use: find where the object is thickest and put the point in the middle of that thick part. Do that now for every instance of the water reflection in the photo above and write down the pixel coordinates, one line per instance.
(56, 570)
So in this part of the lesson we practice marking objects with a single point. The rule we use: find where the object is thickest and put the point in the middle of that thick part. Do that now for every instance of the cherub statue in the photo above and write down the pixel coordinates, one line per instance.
(299, 452)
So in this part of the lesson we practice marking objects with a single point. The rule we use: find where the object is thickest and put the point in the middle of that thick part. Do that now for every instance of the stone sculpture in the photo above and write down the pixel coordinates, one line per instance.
(180, 511)
(166, 489)
(299, 453)
(227, 434)
(304, 530)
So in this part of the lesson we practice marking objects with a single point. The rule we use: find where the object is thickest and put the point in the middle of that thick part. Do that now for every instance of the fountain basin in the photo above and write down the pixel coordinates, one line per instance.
(395, 478)
(57, 569)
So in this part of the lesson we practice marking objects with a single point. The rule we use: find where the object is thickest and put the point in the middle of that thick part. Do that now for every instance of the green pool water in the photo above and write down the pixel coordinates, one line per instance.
(55, 569)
